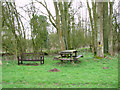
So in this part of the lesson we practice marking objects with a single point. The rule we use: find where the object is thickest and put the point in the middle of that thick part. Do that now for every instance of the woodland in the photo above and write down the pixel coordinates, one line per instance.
(94, 34)
(99, 32)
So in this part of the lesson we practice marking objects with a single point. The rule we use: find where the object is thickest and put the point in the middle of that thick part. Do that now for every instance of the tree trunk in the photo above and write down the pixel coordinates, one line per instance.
(58, 25)
(100, 50)
(68, 33)
(93, 34)
(110, 39)
(119, 30)
(73, 33)
(95, 27)
(0, 26)
(115, 37)
(63, 23)
(105, 26)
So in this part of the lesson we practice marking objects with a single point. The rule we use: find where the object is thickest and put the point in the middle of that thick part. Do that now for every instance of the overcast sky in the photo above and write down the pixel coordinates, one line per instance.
(21, 3)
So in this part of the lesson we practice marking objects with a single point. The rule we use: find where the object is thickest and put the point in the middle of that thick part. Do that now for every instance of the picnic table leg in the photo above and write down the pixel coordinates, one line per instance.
(71, 58)
(41, 62)
(71, 61)
(21, 61)
(75, 54)
(43, 59)
(18, 60)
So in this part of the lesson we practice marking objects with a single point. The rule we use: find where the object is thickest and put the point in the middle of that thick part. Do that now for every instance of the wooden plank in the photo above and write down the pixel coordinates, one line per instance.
(62, 59)
(65, 59)
(79, 56)
(57, 56)
(31, 60)
(67, 51)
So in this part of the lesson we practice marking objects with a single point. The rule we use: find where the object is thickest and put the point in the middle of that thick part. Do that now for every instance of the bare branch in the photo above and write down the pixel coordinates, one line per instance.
(46, 9)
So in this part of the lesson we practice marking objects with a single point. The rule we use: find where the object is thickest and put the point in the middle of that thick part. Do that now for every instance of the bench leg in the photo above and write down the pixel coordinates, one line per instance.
(21, 62)
(18, 62)
(40, 62)
(43, 61)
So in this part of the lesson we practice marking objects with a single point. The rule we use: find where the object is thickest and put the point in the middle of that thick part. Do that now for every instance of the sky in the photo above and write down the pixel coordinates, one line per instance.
(21, 3)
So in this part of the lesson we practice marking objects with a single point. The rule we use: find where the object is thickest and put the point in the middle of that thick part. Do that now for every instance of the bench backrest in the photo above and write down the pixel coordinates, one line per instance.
(32, 56)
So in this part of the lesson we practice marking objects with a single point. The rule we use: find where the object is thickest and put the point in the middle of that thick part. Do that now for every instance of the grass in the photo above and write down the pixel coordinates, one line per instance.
(89, 73)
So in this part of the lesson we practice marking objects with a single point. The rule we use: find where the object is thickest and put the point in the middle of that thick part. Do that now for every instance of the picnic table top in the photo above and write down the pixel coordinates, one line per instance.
(68, 51)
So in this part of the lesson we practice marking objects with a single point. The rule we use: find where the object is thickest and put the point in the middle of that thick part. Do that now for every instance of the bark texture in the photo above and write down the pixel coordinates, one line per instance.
(110, 39)
(100, 50)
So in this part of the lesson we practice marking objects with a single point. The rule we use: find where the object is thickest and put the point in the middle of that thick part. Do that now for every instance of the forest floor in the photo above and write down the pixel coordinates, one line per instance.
(89, 73)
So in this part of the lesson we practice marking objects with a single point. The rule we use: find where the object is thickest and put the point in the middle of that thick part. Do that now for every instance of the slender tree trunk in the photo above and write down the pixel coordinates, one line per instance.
(58, 25)
(67, 16)
(0, 44)
(95, 27)
(119, 32)
(73, 33)
(89, 35)
(86, 36)
(105, 26)
(0, 26)
(100, 50)
(63, 23)
(93, 33)
(68, 33)
(115, 37)
(110, 39)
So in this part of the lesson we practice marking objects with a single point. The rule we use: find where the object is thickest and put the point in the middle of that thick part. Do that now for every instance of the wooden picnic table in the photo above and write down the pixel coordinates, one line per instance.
(68, 52)
(68, 55)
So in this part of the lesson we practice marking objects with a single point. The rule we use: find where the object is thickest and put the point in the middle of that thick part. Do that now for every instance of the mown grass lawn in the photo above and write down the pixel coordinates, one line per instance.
(89, 73)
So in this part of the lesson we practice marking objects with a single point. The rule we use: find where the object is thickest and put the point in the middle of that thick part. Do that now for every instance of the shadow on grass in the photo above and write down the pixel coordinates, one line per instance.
(30, 64)
(68, 62)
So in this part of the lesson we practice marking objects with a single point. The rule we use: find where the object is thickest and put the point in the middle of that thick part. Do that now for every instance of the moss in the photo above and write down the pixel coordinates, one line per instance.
(98, 57)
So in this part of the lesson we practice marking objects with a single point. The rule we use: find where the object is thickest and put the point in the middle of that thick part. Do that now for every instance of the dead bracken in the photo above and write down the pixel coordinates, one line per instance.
(105, 67)
(54, 70)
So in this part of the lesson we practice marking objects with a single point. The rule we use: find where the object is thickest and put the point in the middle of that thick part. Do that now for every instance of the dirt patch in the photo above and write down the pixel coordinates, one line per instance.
(54, 70)
(0, 62)
(40, 84)
(105, 67)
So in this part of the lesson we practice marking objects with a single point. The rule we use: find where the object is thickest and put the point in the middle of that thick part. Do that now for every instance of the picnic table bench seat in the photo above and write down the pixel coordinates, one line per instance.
(31, 57)
(74, 58)
(68, 55)
(78, 56)
(57, 57)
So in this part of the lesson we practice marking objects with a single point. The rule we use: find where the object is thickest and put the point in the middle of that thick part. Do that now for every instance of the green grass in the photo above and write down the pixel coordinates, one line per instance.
(89, 73)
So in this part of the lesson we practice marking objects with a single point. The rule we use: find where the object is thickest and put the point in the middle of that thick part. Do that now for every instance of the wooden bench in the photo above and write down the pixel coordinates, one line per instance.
(31, 57)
